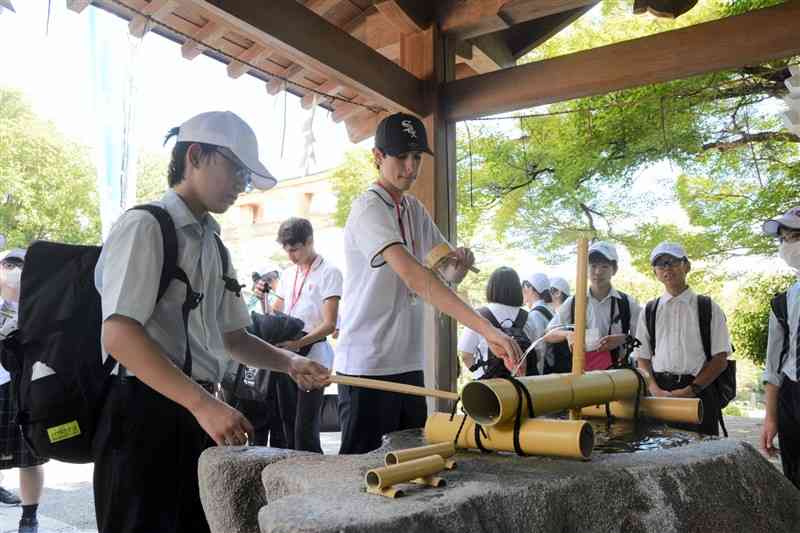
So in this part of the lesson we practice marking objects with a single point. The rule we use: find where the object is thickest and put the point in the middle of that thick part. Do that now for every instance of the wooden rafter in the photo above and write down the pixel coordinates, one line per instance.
(748, 39)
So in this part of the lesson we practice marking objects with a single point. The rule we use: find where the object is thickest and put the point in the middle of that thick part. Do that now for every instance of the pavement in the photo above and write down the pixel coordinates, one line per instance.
(68, 502)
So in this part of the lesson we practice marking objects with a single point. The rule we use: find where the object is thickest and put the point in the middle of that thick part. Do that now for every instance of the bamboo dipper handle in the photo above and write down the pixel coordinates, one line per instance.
(393, 387)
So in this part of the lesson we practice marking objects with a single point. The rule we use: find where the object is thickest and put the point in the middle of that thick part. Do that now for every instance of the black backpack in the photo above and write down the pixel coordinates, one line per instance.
(561, 354)
(780, 309)
(59, 379)
(725, 382)
(494, 366)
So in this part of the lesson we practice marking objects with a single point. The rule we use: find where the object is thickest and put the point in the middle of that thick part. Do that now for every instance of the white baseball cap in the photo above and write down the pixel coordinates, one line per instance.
(14, 253)
(266, 269)
(560, 283)
(790, 219)
(606, 249)
(228, 130)
(540, 282)
(668, 248)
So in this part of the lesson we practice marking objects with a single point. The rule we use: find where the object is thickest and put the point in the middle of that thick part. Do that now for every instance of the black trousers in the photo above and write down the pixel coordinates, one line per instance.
(264, 416)
(300, 413)
(789, 429)
(709, 398)
(145, 471)
(367, 415)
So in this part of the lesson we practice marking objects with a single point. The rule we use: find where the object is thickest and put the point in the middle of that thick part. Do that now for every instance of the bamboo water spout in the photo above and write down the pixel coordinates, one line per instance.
(572, 439)
(382, 480)
(579, 338)
(445, 450)
(494, 401)
(678, 410)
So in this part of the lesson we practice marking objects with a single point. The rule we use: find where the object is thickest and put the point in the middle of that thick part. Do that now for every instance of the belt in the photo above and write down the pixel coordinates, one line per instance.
(209, 386)
(676, 378)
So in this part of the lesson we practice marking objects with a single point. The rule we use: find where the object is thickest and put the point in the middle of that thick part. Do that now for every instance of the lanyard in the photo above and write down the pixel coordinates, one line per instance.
(400, 222)
(297, 292)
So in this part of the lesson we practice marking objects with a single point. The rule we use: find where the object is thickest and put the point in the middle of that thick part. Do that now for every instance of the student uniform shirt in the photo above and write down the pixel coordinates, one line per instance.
(127, 276)
(598, 314)
(8, 324)
(539, 322)
(679, 348)
(472, 342)
(381, 322)
(775, 341)
(324, 281)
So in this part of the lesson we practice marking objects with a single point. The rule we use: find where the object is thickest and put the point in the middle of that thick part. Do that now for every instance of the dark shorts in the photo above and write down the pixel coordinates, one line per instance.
(14, 452)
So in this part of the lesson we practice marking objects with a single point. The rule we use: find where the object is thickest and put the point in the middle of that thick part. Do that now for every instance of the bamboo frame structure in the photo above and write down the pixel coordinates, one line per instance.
(571, 439)
(579, 339)
(421, 471)
(390, 386)
(677, 410)
(445, 450)
(494, 401)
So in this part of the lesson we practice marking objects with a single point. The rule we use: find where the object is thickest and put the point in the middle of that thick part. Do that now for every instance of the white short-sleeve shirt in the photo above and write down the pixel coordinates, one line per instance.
(127, 275)
(773, 372)
(303, 298)
(472, 342)
(381, 331)
(679, 347)
(598, 314)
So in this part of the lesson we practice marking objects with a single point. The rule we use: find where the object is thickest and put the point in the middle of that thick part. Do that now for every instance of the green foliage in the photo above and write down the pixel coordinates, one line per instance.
(151, 177)
(47, 183)
(748, 324)
(350, 180)
(538, 181)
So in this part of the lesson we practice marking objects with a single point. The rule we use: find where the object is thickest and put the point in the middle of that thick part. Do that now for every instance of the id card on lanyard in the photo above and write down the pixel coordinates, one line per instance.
(297, 292)
(413, 298)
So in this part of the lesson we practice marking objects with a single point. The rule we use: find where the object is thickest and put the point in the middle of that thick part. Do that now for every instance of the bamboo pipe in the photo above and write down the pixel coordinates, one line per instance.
(579, 339)
(677, 410)
(494, 401)
(572, 439)
(384, 477)
(443, 450)
(390, 386)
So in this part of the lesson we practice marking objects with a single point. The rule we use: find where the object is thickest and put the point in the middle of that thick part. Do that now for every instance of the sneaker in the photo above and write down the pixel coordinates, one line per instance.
(9, 498)
(28, 525)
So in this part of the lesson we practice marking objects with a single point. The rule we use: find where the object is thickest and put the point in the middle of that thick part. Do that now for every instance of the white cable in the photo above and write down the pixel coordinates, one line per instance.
(534, 343)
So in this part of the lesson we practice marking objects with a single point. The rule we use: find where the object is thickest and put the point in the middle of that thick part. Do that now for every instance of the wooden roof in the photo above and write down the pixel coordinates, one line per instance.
(350, 49)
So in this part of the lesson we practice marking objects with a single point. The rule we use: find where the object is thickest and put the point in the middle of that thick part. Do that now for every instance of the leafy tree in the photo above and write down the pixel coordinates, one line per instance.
(47, 183)
(748, 325)
(350, 180)
(151, 177)
(577, 167)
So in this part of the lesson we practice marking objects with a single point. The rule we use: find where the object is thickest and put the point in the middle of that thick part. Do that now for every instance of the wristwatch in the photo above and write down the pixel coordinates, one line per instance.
(696, 389)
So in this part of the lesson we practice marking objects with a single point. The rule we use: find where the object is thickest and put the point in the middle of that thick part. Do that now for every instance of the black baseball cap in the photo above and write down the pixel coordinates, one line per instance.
(401, 133)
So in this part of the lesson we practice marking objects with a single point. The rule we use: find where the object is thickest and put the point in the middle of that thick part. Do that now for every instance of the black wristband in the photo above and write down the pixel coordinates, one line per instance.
(696, 389)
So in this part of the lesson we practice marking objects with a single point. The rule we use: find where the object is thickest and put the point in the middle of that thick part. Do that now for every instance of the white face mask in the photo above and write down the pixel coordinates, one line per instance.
(790, 253)
(11, 277)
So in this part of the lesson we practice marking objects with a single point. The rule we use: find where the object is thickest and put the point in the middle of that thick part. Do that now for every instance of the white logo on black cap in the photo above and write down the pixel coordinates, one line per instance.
(408, 127)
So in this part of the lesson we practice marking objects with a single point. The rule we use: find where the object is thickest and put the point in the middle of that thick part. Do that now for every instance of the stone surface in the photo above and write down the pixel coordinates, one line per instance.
(715, 485)
(231, 488)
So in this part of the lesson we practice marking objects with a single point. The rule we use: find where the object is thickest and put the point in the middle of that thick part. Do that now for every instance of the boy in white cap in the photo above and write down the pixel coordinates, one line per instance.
(611, 315)
(672, 355)
(161, 411)
(559, 291)
(387, 237)
(536, 296)
(782, 372)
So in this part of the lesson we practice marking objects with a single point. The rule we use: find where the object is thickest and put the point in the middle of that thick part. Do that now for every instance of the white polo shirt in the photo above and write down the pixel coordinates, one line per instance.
(775, 341)
(382, 323)
(127, 275)
(303, 297)
(474, 343)
(679, 347)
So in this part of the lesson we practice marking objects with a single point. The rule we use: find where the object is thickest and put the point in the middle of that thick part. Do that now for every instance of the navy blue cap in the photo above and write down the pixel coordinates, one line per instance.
(401, 133)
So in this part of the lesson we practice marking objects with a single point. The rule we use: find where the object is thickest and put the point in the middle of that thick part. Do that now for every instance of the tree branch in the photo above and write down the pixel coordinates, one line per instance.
(746, 138)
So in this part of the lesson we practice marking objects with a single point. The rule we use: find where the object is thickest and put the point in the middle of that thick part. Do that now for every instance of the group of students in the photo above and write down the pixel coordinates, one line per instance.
(162, 412)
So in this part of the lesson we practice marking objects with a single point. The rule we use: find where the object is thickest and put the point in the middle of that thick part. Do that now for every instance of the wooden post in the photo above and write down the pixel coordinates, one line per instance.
(430, 56)
(579, 342)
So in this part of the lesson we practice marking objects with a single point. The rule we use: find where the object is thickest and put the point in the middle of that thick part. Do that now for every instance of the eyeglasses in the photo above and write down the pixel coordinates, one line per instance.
(240, 172)
(669, 262)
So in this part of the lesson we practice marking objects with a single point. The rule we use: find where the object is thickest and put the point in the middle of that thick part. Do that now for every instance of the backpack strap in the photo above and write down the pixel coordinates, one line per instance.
(704, 314)
(522, 318)
(625, 313)
(544, 311)
(231, 284)
(650, 321)
(486, 313)
(780, 308)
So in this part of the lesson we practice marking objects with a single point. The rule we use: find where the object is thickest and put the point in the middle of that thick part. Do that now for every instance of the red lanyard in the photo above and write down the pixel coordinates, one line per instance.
(295, 291)
(400, 222)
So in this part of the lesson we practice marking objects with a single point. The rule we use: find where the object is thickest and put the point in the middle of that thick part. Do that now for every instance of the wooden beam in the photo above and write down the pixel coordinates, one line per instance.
(463, 70)
(494, 47)
(319, 45)
(363, 125)
(156, 9)
(276, 85)
(208, 34)
(748, 39)
(465, 19)
(77, 5)
(252, 55)
(332, 87)
(408, 16)
(527, 36)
